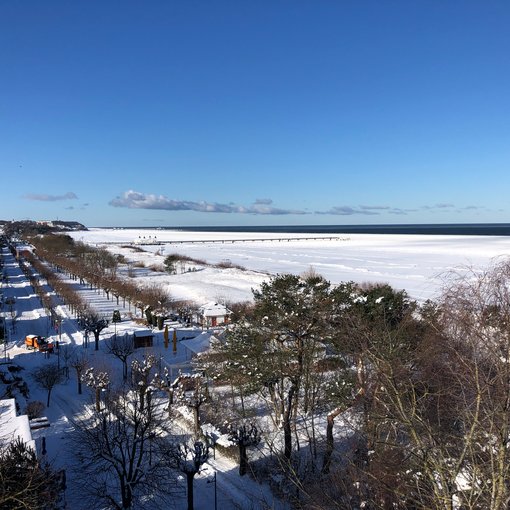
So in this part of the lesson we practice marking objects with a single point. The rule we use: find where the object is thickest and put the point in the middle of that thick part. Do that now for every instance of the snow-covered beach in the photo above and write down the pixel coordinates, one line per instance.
(416, 263)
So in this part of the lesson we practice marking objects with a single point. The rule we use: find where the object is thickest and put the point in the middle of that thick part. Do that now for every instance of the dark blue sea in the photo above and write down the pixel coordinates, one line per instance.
(471, 229)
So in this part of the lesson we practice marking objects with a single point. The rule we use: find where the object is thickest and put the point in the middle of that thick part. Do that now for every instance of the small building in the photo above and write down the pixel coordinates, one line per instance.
(202, 343)
(13, 426)
(149, 240)
(213, 314)
(23, 251)
(194, 346)
(143, 338)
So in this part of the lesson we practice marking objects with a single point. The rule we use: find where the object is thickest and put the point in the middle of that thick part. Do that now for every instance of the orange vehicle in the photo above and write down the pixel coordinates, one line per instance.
(38, 342)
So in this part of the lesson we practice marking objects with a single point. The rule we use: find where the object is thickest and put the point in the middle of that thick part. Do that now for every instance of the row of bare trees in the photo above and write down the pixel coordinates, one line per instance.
(98, 268)
(125, 445)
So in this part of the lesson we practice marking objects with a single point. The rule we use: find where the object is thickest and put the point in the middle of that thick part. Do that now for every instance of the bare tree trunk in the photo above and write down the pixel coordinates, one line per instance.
(232, 395)
(243, 459)
(294, 421)
(287, 422)
(127, 497)
(189, 479)
(329, 431)
(196, 419)
(329, 439)
(314, 438)
(242, 400)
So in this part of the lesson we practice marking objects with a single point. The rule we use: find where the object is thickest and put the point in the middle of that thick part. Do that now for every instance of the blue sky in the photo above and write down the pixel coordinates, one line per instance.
(130, 113)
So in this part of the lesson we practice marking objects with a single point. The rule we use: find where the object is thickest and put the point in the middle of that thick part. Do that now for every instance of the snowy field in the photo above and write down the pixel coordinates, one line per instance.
(416, 263)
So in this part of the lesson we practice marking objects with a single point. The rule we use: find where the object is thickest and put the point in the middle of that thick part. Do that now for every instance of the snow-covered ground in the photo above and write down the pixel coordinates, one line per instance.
(233, 491)
(416, 263)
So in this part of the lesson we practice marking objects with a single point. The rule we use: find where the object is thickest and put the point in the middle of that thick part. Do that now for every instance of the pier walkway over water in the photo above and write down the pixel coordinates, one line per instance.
(228, 241)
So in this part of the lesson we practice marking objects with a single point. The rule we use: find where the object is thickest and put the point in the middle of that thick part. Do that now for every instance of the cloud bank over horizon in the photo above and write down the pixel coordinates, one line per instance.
(135, 200)
(264, 206)
(41, 197)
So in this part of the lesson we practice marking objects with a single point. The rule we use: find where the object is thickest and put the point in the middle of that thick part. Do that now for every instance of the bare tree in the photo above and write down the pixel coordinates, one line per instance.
(244, 436)
(433, 402)
(79, 362)
(163, 382)
(47, 377)
(472, 324)
(122, 347)
(192, 392)
(156, 297)
(142, 378)
(68, 352)
(98, 382)
(122, 451)
(188, 459)
(94, 323)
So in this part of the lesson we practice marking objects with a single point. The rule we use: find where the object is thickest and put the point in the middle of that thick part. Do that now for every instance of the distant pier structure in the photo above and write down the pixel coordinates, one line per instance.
(278, 239)
(142, 240)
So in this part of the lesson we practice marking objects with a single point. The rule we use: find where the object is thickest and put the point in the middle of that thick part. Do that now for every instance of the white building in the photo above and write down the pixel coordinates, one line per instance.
(213, 314)
(146, 240)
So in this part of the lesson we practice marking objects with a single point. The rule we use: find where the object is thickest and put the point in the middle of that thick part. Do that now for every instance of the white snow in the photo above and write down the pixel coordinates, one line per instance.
(12, 426)
(198, 344)
(415, 263)
(213, 309)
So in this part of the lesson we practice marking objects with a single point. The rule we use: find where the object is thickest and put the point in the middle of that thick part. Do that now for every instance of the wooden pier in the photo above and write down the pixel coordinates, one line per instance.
(229, 241)
(277, 239)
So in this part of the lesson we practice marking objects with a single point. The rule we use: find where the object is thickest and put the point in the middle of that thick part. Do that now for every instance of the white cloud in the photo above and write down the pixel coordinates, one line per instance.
(346, 210)
(50, 198)
(136, 200)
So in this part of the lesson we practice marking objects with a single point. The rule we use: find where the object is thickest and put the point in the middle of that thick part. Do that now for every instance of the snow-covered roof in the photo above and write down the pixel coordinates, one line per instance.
(198, 344)
(213, 309)
(24, 247)
(143, 332)
(12, 426)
